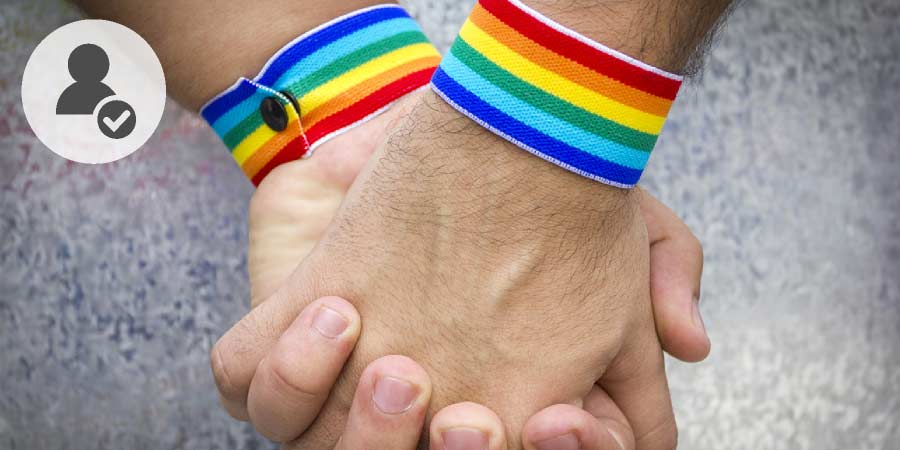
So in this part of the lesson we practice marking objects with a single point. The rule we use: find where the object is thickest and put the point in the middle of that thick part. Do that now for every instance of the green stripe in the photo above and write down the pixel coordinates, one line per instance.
(242, 130)
(354, 60)
(549, 103)
(340, 66)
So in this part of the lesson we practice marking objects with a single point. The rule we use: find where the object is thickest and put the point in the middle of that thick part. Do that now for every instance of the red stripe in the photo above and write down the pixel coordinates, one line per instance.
(580, 52)
(294, 150)
(369, 104)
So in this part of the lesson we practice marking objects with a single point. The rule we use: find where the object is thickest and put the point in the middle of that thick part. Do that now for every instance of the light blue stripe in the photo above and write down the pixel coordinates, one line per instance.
(539, 120)
(344, 46)
(529, 139)
(319, 59)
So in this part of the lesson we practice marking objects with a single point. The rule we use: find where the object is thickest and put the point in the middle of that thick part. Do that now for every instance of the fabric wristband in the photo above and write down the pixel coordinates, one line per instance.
(321, 84)
(555, 93)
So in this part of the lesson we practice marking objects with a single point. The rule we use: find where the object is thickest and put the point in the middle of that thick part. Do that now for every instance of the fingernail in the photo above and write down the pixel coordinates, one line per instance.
(393, 395)
(329, 323)
(465, 439)
(698, 319)
(618, 439)
(566, 441)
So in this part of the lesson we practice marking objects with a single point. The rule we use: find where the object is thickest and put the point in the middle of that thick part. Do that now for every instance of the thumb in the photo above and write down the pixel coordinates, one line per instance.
(676, 266)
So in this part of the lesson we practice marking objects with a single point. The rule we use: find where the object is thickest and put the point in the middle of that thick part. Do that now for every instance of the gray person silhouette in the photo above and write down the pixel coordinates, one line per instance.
(88, 65)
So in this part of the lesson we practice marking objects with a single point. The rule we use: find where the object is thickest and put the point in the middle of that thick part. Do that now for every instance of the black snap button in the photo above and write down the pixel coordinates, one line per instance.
(293, 101)
(273, 114)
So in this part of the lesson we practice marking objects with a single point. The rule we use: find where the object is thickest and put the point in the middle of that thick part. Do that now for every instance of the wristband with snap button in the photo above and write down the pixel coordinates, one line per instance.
(556, 93)
(320, 85)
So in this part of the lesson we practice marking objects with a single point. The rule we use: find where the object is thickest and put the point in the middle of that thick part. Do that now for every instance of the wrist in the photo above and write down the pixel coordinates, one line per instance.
(320, 85)
(460, 171)
(662, 33)
(232, 55)
(202, 57)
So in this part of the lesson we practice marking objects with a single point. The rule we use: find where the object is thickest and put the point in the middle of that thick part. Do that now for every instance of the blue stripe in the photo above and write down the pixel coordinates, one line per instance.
(215, 109)
(531, 138)
(301, 50)
(540, 120)
(317, 60)
(323, 37)
(344, 46)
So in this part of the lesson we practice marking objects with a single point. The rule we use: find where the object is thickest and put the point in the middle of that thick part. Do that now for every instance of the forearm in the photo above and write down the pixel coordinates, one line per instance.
(669, 34)
(559, 96)
(205, 45)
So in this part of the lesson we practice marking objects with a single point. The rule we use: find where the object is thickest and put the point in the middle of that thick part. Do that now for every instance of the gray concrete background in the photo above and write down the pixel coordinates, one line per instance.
(784, 157)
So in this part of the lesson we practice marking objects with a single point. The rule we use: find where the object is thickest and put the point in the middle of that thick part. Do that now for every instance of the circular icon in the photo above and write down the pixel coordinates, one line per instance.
(93, 91)
(116, 119)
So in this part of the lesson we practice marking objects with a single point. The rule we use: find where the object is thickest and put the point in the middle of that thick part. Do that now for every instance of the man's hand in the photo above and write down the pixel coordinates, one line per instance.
(296, 202)
(291, 209)
(389, 405)
(502, 267)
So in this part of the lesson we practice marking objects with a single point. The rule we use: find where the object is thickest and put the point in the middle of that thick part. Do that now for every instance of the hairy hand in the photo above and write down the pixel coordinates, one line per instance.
(502, 268)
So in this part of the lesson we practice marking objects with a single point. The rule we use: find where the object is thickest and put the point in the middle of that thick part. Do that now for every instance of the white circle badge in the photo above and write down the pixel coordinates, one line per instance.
(93, 91)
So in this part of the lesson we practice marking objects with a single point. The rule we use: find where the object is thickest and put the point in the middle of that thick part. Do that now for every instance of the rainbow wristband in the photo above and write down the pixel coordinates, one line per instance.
(555, 93)
(321, 84)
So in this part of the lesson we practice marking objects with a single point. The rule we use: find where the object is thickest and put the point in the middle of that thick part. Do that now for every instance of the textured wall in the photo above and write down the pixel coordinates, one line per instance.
(784, 157)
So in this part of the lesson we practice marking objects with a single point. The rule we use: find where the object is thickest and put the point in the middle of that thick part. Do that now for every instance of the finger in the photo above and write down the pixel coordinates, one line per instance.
(237, 354)
(636, 382)
(294, 379)
(568, 427)
(676, 266)
(600, 405)
(288, 214)
(466, 426)
(389, 407)
(296, 202)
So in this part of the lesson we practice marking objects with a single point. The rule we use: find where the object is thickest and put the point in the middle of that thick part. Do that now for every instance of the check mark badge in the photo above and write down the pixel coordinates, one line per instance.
(114, 125)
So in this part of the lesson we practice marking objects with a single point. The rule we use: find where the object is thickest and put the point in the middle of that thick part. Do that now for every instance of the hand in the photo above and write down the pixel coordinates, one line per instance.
(389, 405)
(291, 209)
(522, 316)
(296, 202)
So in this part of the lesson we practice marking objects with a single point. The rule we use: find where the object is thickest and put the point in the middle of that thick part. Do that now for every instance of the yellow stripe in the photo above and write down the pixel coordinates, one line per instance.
(255, 140)
(338, 85)
(557, 85)
(333, 88)
(362, 90)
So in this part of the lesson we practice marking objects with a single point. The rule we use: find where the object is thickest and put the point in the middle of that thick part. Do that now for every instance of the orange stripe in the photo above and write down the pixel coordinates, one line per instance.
(567, 68)
(264, 154)
(366, 88)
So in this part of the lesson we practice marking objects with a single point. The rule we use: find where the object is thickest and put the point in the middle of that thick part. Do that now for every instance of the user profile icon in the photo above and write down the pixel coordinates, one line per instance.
(88, 66)
(93, 91)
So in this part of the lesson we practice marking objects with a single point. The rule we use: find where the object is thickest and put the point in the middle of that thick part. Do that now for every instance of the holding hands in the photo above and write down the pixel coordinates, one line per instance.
(531, 304)
(296, 202)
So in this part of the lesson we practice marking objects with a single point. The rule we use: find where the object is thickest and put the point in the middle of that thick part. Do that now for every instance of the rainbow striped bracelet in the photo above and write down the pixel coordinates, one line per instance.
(555, 93)
(321, 84)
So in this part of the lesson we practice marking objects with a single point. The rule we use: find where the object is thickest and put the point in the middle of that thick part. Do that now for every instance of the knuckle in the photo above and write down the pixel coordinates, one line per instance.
(663, 436)
(286, 380)
(219, 367)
